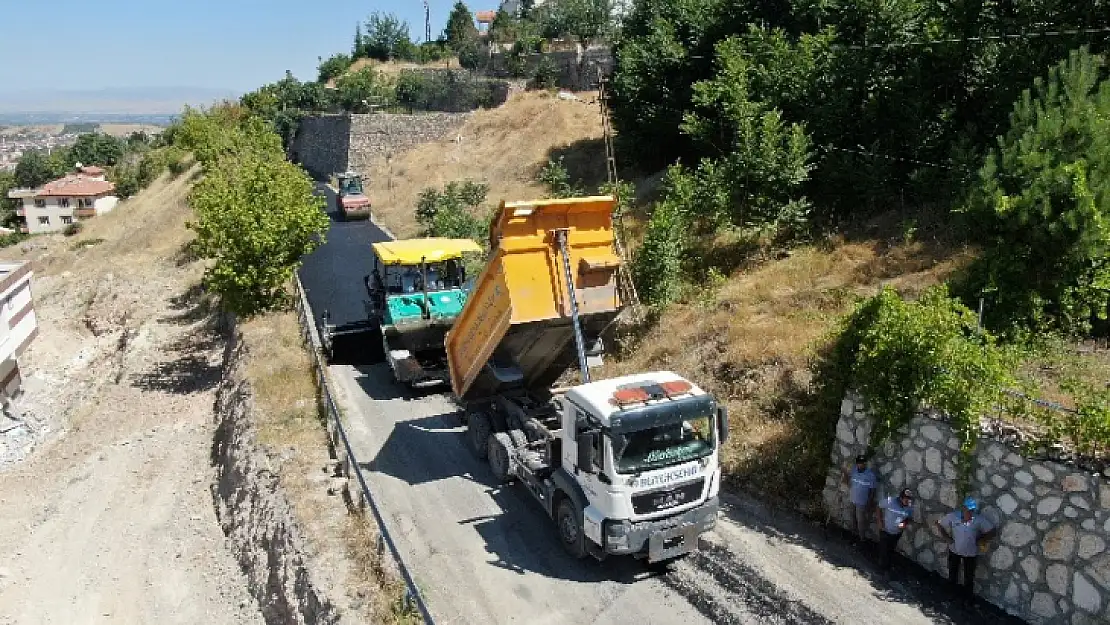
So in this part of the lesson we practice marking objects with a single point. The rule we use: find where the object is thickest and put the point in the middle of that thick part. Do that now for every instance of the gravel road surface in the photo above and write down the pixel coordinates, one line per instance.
(487, 553)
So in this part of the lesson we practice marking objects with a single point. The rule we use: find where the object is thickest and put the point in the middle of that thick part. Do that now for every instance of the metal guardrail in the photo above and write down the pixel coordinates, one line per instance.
(312, 338)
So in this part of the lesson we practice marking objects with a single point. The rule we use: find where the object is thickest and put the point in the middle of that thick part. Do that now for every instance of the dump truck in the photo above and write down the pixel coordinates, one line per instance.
(352, 201)
(624, 466)
(416, 289)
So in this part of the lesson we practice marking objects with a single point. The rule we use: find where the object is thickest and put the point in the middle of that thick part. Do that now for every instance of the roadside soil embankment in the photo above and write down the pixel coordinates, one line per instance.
(108, 517)
(124, 499)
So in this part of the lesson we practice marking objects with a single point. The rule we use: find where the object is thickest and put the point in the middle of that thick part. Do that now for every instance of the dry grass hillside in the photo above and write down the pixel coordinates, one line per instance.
(504, 147)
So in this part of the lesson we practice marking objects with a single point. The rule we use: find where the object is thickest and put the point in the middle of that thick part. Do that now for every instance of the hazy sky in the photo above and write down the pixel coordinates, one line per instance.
(226, 44)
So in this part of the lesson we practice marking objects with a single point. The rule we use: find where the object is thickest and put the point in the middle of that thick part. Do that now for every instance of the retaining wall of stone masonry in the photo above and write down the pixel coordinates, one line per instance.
(329, 144)
(1049, 564)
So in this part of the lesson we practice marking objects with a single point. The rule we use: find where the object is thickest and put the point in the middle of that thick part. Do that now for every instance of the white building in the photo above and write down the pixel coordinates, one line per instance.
(18, 326)
(63, 201)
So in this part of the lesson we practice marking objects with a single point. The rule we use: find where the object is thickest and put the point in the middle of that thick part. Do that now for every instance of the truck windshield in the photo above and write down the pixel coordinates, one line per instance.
(664, 445)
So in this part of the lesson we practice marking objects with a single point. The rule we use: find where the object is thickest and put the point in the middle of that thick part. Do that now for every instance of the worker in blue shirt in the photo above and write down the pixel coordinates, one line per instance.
(965, 529)
(893, 514)
(861, 492)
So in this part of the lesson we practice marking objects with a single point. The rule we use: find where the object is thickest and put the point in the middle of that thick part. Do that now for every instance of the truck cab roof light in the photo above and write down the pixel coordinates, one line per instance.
(629, 396)
(677, 387)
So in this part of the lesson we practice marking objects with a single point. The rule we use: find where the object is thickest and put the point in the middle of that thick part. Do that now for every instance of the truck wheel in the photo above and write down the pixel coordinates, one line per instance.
(569, 521)
(498, 452)
(478, 428)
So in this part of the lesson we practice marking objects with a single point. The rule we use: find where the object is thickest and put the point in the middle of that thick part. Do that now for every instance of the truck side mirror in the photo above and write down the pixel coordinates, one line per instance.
(586, 452)
(722, 420)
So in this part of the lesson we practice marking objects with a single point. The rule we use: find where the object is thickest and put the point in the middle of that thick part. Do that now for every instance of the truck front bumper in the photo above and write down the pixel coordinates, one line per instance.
(661, 539)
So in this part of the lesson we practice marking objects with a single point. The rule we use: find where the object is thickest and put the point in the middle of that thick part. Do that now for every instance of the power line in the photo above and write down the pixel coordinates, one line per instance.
(865, 152)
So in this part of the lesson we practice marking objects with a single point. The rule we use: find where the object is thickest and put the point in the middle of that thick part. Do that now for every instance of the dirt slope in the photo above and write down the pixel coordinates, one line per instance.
(504, 147)
(109, 516)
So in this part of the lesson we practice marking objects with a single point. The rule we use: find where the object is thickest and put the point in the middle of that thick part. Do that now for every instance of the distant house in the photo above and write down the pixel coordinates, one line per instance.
(60, 202)
(18, 326)
(485, 19)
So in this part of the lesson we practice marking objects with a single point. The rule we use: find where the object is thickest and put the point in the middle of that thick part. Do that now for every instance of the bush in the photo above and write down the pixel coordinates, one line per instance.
(175, 160)
(257, 217)
(555, 177)
(72, 229)
(902, 356)
(452, 211)
(546, 75)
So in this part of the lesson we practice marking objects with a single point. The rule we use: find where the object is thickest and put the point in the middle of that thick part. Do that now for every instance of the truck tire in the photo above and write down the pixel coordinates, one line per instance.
(478, 430)
(569, 520)
(499, 460)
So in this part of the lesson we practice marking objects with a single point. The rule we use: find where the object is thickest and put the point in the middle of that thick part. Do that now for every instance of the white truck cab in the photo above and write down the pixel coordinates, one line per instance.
(645, 451)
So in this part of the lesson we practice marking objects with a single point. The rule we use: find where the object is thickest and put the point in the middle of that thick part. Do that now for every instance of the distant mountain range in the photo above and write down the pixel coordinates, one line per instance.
(119, 101)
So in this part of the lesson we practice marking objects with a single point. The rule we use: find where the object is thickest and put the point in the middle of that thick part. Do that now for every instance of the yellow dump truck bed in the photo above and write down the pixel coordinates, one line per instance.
(516, 329)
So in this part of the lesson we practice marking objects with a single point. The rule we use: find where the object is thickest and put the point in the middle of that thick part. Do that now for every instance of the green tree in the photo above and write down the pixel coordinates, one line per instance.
(257, 217)
(97, 149)
(7, 183)
(657, 267)
(358, 49)
(333, 67)
(460, 31)
(1043, 195)
(225, 130)
(585, 20)
(387, 38)
(36, 167)
(358, 91)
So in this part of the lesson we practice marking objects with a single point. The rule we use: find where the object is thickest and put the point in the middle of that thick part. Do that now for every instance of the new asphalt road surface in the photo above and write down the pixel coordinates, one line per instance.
(486, 553)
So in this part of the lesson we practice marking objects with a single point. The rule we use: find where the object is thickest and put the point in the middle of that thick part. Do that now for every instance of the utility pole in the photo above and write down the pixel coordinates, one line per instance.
(427, 23)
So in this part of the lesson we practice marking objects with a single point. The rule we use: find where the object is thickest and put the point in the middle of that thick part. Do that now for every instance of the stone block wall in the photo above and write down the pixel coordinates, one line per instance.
(327, 144)
(1050, 562)
(578, 68)
(322, 144)
(374, 137)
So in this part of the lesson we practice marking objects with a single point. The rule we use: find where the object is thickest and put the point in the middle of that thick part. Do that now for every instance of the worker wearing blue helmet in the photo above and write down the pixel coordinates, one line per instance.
(965, 529)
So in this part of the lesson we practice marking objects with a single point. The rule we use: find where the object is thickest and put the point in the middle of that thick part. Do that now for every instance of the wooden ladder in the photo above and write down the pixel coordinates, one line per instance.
(624, 274)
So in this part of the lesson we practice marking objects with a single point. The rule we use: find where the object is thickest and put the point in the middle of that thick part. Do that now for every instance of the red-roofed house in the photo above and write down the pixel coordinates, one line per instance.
(60, 202)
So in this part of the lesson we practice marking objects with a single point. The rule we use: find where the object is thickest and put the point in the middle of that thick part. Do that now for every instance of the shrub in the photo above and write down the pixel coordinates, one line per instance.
(451, 212)
(72, 229)
(546, 75)
(175, 160)
(902, 356)
(555, 177)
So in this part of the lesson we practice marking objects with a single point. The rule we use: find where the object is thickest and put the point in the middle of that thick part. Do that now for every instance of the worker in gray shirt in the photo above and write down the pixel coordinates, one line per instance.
(964, 529)
(893, 514)
(861, 492)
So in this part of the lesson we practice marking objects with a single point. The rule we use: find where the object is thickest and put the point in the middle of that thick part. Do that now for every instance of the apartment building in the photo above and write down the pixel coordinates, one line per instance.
(18, 326)
(58, 203)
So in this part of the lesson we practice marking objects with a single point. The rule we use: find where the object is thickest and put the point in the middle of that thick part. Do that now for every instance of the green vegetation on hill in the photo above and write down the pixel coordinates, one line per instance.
(785, 124)
(257, 214)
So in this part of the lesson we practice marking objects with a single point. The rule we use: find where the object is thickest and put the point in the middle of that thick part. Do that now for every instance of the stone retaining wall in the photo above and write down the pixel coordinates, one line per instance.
(327, 144)
(374, 137)
(578, 69)
(1050, 562)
